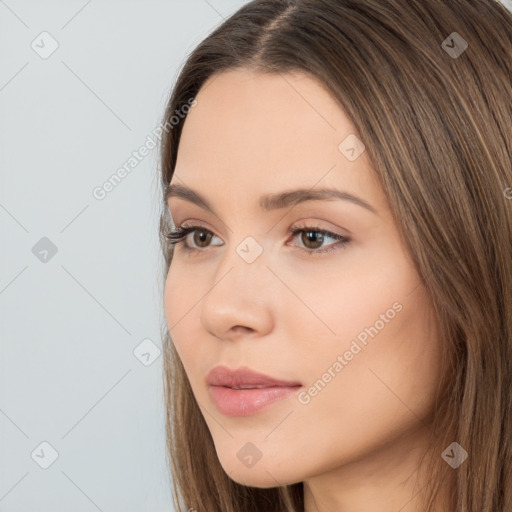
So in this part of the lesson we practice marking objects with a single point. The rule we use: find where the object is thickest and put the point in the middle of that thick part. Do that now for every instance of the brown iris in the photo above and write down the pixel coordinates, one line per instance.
(314, 237)
(202, 237)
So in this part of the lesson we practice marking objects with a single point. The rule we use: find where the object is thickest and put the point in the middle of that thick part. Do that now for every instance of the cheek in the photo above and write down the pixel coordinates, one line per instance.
(354, 296)
(170, 295)
(377, 373)
(382, 387)
(179, 299)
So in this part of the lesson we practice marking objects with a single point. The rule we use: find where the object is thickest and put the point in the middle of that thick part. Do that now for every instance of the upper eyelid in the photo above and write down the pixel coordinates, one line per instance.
(307, 224)
(193, 221)
(310, 211)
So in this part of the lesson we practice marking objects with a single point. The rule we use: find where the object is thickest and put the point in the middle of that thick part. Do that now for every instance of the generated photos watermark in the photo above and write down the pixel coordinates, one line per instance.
(101, 191)
(304, 397)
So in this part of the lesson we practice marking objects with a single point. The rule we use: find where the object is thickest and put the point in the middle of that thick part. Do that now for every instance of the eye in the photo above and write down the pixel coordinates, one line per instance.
(312, 237)
(201, 237)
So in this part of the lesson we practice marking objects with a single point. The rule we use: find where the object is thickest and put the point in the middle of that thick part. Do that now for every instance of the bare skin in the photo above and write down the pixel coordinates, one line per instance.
(355, 442)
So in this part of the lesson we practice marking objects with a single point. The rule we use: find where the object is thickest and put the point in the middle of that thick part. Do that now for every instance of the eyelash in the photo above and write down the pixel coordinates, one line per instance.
(179, 234)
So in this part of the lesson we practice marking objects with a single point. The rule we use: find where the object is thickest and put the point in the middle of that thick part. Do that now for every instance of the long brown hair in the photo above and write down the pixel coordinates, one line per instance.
(436, 119)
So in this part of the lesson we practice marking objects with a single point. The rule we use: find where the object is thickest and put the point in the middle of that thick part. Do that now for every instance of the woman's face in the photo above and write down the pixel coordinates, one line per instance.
(351, 326)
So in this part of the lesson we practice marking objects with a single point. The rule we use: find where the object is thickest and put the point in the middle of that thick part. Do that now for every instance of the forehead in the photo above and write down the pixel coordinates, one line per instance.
(242, 111)
(252, 133)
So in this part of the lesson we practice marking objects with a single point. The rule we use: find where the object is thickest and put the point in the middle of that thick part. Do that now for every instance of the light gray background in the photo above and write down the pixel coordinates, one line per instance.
(507, 4)
(69, 326)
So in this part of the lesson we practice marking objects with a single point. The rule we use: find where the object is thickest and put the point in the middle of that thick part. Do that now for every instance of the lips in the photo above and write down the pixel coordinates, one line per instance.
(244, 392)
(245, 378)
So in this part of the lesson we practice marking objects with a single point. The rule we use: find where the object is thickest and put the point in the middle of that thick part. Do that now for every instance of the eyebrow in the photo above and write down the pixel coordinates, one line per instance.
(272, 201)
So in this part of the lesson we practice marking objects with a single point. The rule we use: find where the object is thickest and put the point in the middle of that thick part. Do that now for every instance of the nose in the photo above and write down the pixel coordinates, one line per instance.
(241, 298)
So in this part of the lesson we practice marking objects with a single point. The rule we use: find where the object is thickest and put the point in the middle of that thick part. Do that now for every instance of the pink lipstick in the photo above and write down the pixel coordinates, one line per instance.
(243, 392)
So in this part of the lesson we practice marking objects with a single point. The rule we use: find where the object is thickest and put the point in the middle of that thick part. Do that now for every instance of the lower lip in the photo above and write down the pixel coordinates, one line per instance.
(244, 402)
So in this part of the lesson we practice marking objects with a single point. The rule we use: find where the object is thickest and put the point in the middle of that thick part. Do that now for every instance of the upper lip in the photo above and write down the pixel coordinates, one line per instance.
(244, 378)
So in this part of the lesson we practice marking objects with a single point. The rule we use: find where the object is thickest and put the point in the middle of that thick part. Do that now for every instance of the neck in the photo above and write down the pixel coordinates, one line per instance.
(389, 480)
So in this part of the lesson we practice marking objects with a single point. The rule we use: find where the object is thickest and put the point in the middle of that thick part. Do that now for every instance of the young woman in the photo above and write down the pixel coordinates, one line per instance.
(337, 232)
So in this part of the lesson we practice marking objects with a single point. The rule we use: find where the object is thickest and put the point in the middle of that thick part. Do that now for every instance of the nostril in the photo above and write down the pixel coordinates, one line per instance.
(241, 329)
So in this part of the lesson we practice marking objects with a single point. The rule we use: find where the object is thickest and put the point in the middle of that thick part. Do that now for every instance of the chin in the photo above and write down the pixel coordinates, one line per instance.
(262, 475)
(258, 478)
